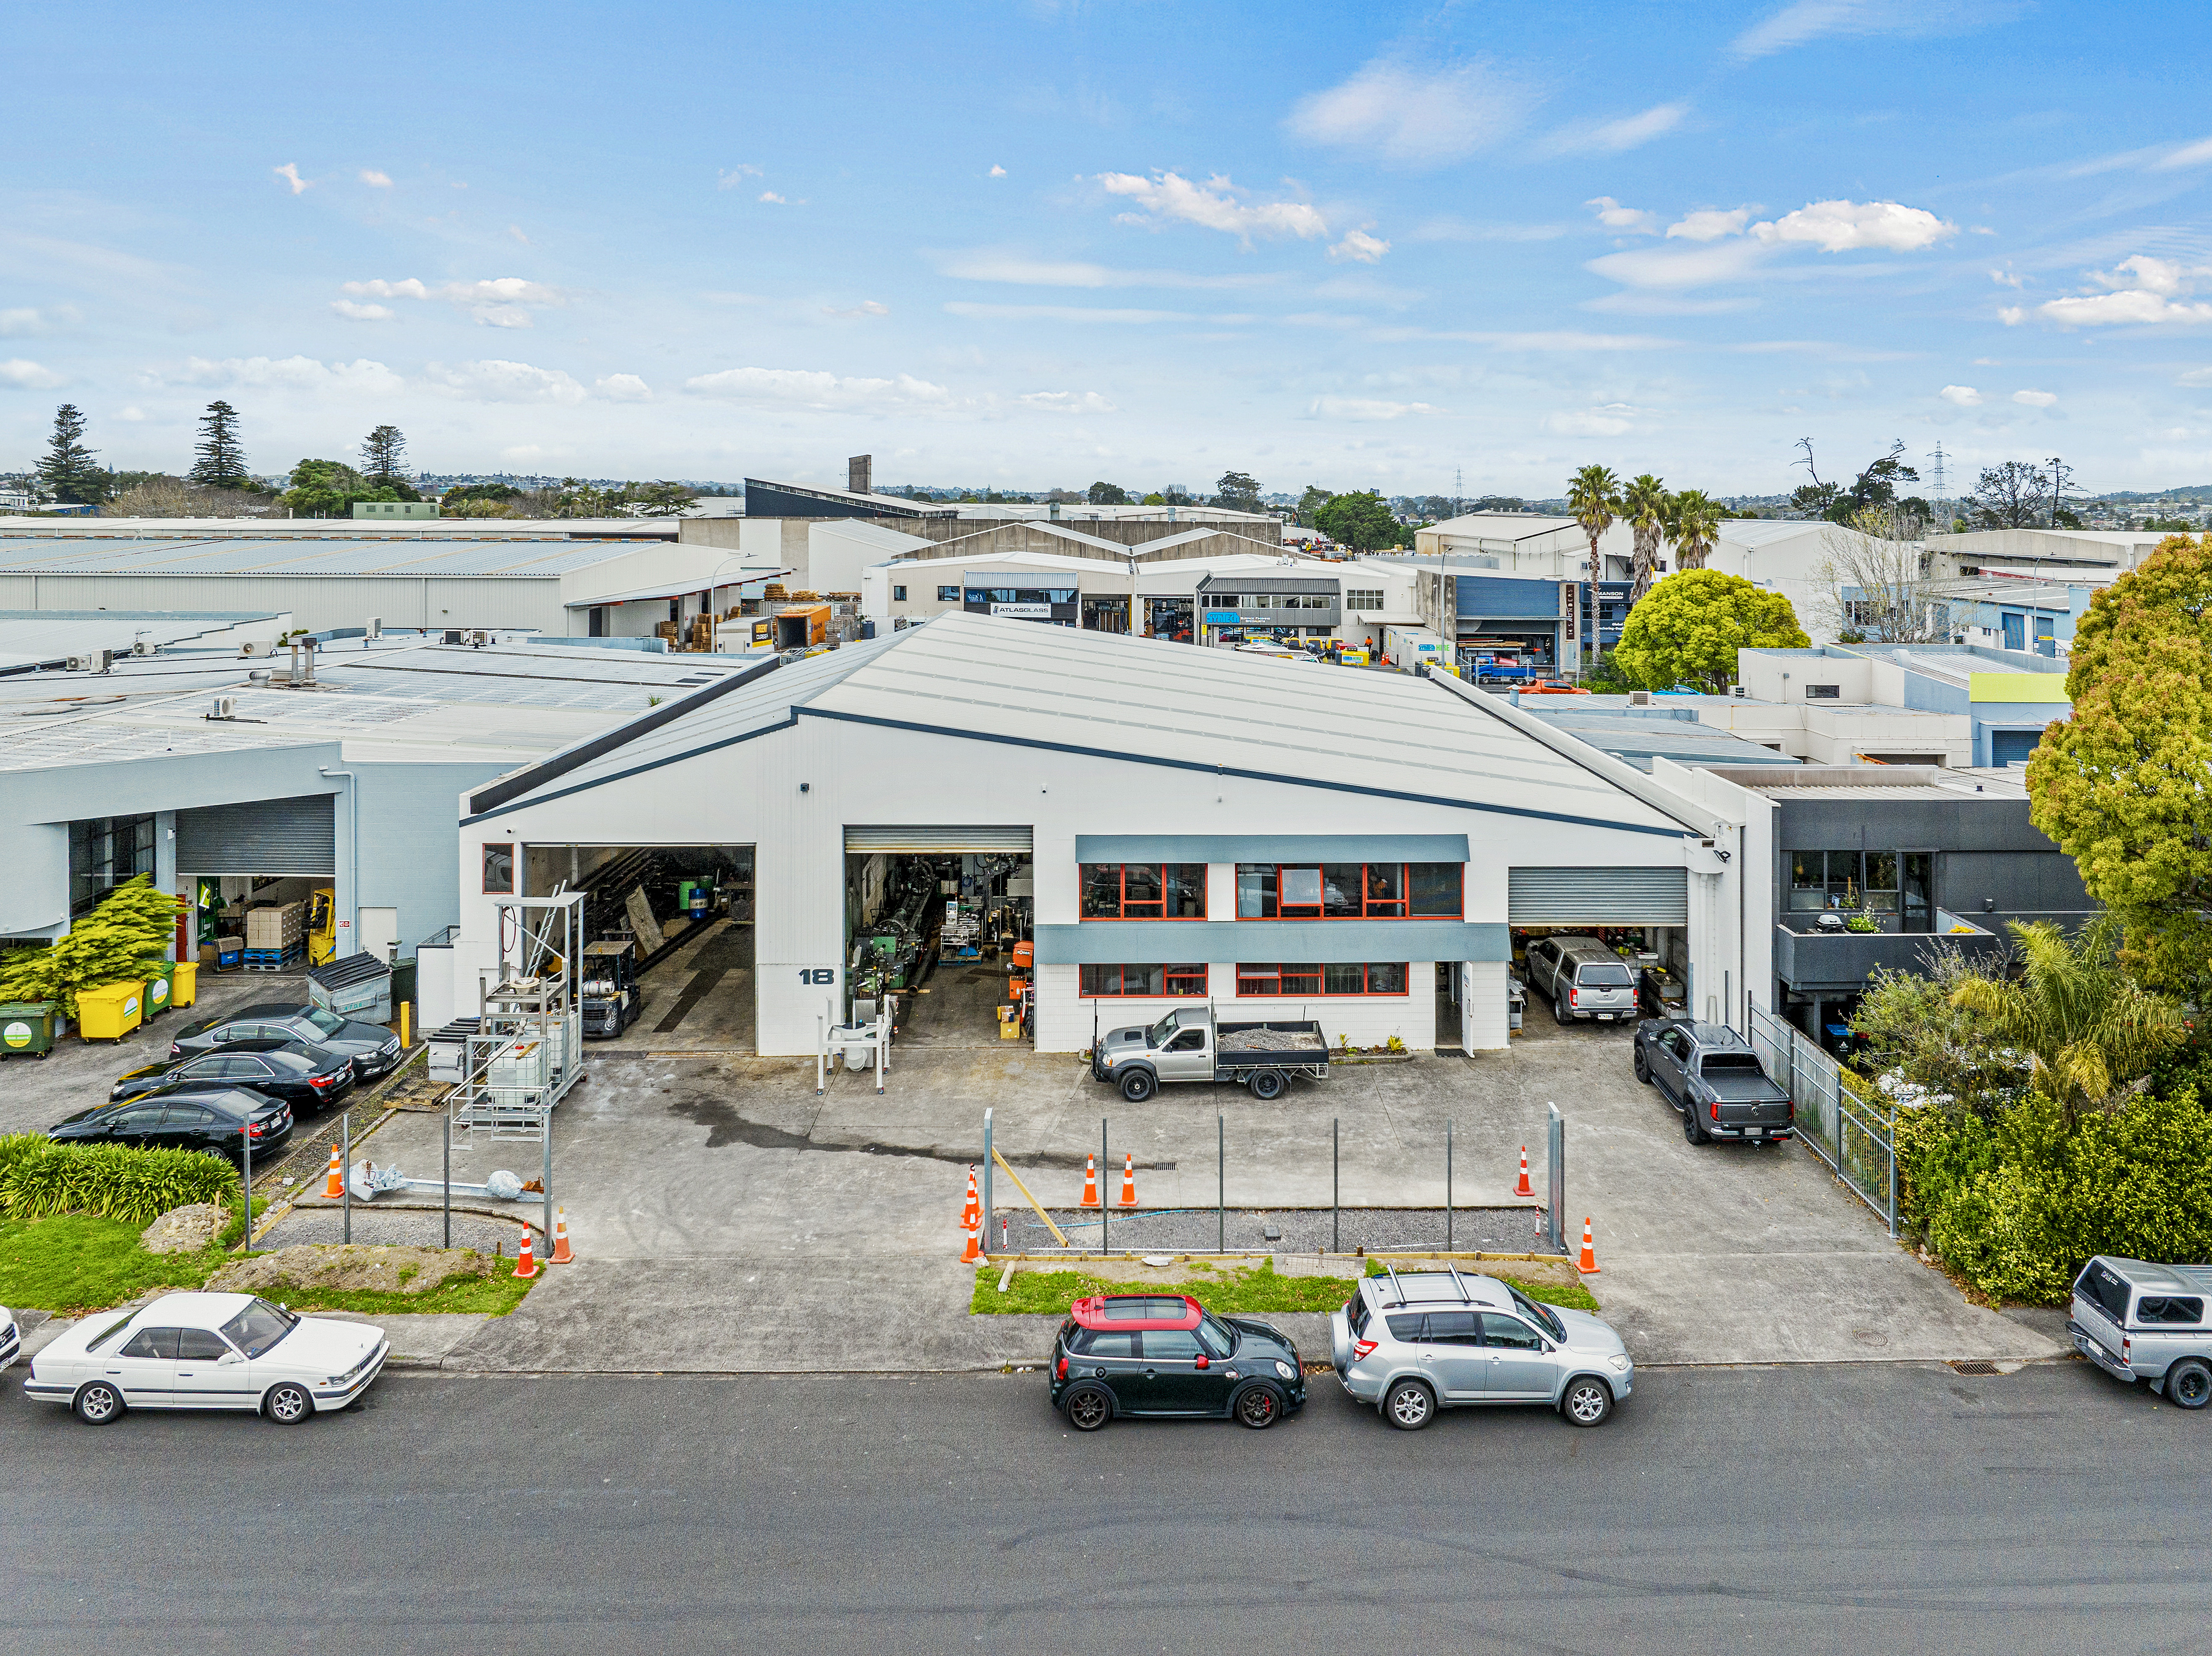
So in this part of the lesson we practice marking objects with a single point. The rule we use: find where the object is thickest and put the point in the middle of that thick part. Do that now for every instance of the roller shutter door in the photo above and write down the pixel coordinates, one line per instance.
(937, 842)
(1597, 896)
(262, 836)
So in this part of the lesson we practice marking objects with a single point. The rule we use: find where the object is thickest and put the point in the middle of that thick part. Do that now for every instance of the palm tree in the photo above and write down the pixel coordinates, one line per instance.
(2086, 1025)
(1644, 503)
(1593, 501)
(1693, 524)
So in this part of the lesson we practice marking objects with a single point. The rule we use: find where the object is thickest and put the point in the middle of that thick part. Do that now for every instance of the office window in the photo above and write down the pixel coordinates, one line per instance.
(898, 595)
(1843, 879)
(499, 869)
(1186, 979)
(1362, 599)
(1824, 692)
(948, 595)
(1347, 891)
(106, 853)
(1314, 978)
(1144, 891)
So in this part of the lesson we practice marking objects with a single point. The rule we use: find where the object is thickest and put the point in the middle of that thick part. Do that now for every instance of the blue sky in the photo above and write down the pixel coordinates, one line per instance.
(1037, 243)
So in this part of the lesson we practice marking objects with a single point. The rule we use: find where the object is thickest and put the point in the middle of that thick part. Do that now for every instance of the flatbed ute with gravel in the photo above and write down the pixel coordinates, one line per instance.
(1188, 1044)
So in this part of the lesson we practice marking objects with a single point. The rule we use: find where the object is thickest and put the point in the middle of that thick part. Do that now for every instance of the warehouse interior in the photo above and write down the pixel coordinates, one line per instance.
(941, 922)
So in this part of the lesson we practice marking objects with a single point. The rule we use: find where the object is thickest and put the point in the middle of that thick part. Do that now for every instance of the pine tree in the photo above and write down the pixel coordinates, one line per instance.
(67, 472)
(222, 463)
(384, 456)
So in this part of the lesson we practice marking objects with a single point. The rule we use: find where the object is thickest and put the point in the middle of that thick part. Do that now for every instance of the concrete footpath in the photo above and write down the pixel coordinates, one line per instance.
(726, 1219)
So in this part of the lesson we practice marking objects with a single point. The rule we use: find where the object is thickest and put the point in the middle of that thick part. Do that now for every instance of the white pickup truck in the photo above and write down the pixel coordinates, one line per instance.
(1188, 1045)
(2146, 1322)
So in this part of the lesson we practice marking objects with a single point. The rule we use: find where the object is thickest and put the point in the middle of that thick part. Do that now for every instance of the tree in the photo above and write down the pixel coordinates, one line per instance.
(2087, 1028)
(1645, 504)
(1875, 487)
(1693, 524)
(1689, 630)
(2008, 497)
(67, 472)
(1108, 494)
(329, 488)
(1310, 503)
(384, 456)
(221, 461)
(1238, 492)
(659, 499)
(172, 497)
(1873, 580)
(1593, 501)
(1361, 521)
(2119, 785)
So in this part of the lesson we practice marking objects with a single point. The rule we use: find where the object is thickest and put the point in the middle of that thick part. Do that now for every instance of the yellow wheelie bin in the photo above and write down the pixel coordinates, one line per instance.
(111, 1011)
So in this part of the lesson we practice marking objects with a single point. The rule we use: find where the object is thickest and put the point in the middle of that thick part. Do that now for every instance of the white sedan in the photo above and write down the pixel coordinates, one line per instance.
(208, 1352)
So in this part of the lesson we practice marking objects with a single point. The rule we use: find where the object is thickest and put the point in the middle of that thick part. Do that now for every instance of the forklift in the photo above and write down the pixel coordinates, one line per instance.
(322, 926)
(611, 997)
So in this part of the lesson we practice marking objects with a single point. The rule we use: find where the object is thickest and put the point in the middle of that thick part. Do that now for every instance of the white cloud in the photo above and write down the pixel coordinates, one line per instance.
(375, 179)
(2189, 155)
(1636, 304)
(1837, 227)
(1066, 402)
(1359, 244)
(2035, 399)
(1609, 420)
(293, 373)
(515, 231)
(1680, 267)
(1064, 314)
(865, 307)
(497, 302)
(26, 375)
(986, 265)
(2012, 315)
(30, 322)
(1416, 115)
(997, 172)
(2195, 376)
(2006, 278)
(623, 388)
(1213, 205)
(290, 174)
(1964, 396)
(1630, 221)
(2143, 292)
(378, 289)
(360, 313)
(133, 414)
(736, 176)
(1611, 137)
(780, 200)
(1808, 20)
(2163, 276)
(495, 381)
(1366, 408)
(502, 316)
(1709, 224)
(828, 392)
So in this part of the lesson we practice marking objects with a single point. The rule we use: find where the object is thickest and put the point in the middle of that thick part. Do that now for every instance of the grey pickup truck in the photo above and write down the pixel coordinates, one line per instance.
(1711, 1074)
(2138, 1321)
(1188, 1045)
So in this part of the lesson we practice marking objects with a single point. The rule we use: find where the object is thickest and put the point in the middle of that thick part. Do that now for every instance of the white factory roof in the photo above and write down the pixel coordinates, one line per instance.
(411, 555)
(339, 529)
(34, 637)
(1115, 696)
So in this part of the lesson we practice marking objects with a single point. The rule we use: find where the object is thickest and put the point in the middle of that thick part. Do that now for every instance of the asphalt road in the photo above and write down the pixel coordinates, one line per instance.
(1832, 1509)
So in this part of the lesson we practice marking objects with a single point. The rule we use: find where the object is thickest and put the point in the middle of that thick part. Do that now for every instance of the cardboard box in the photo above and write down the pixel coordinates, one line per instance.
(276, 928)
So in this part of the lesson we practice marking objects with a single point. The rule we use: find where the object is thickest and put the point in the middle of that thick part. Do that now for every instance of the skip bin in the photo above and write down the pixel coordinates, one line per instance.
(161, 986)
(111, 1011)
(185, 985)
(358, 986)
(26, 1027)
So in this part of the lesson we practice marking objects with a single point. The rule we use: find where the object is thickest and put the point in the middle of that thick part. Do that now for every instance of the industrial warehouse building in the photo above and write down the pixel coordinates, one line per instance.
(1160, 824)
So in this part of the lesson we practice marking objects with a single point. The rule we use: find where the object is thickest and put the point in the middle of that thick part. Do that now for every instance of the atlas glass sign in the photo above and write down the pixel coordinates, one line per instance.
(1024, 612)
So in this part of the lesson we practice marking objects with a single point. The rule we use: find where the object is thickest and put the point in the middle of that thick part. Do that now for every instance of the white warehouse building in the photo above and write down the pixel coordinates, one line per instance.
(1161, 824)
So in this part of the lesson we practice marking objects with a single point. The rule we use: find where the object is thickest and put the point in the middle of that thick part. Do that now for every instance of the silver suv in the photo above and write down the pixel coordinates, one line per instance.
(1583, 979)
(1410, 1342)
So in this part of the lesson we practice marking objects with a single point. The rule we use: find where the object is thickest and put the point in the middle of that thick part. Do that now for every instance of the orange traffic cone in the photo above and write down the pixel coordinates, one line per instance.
(526, 1264)
(561, 1255)
(1589, 1266)
(974, 1252)
(334, 1186)
(1524, 1188)
(972, 1214)
(1089, 1183)
(1129, 1181)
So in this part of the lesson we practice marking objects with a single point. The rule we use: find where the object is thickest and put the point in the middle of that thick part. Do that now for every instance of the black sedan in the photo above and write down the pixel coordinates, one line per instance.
(305, 1076)
(215, 1119)
(374, 1050)
(1160, 1355)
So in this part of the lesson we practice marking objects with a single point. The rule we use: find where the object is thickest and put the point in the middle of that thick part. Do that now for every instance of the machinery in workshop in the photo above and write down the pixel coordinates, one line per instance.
(611, 1000)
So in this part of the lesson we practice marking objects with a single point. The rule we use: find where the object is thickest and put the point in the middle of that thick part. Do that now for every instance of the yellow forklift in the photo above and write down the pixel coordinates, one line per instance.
(322, 926)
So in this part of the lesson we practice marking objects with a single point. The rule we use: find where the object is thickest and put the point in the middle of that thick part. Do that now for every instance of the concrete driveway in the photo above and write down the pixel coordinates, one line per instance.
(728, 1219)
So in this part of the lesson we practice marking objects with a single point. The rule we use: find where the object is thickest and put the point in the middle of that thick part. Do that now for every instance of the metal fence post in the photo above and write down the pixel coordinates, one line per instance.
(1448, 1184)
(1221, 1188)
(345, 1169)
(986, 1177)
(1335, 1188)
(1891, 1146)
(1555, 1157)
(246, 1163)
(446, 1116)
(1106, 1178)
(545, 1183)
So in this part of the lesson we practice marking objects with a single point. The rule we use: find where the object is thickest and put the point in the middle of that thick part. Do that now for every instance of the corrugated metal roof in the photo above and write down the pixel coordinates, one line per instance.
(414, 556)
(29, 637)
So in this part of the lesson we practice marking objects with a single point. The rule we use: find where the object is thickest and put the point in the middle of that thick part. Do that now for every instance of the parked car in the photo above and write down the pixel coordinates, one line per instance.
(11, 1338)
(188, 1118)
(1410, 1342)
(1163, 1354)
(373, 1049)
(208, 1352)
(304, 1075)
(1711, 1075)
(1582, 978)
(2139, 1321)
(1186, 1045)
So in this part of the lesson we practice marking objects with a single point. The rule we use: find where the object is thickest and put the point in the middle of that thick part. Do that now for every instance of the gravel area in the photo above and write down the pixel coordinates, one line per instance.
(1490, 1230)
(398, 1228)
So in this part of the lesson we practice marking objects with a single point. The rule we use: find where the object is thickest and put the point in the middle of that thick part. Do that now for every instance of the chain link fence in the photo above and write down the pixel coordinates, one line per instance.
(1854, 1137)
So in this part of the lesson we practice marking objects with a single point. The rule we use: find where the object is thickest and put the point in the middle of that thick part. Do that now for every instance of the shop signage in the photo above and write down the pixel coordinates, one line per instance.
(1024, 612)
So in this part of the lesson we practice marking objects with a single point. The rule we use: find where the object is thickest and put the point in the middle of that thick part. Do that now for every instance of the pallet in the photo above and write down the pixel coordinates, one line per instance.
(276, 960)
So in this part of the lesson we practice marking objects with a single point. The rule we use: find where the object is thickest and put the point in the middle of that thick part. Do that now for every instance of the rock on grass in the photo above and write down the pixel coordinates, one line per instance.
(185, 1230)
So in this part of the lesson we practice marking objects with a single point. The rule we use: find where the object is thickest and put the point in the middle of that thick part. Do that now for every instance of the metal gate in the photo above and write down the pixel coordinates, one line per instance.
(1854, 1137)
(1597, 896)
(937, 841)
(260, 836)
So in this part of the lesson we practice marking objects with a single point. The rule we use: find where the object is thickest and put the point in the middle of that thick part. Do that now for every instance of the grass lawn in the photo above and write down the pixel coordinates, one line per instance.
(497, 1294)
(1248, 1289)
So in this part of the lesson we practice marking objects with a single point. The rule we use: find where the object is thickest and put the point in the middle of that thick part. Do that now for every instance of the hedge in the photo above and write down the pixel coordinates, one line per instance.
(39, 1179)
(2017, 1205)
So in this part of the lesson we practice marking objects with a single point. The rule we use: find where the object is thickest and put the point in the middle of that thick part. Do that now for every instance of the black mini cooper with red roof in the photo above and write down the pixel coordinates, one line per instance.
(1166, 1356)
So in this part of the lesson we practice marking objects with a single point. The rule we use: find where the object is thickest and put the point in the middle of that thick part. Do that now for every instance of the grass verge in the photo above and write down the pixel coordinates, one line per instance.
(1252, 1289)
(495, 1295)
(1575, 1297)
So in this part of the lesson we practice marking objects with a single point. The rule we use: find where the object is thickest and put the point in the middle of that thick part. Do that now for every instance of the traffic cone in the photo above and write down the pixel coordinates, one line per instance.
(526, 1264)
(561, 1256)
(1589, 1266)
(1129, 1181)
(974, 1252)
(972, 1214)
(1524, 1188)
(1089, 1183)
(334, 1185)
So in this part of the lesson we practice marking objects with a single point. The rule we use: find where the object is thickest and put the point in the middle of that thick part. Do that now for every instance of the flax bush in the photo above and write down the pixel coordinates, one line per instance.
(39, 1179)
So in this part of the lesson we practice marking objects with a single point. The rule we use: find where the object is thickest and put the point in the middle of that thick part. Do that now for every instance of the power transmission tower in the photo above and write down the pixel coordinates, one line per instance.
(1459, 492)
(1938, 487)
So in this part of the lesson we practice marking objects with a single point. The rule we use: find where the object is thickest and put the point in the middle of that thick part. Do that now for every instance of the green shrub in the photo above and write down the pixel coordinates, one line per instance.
(112, 1181)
